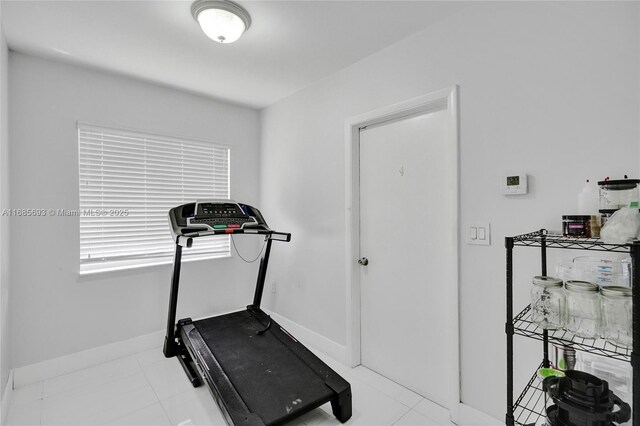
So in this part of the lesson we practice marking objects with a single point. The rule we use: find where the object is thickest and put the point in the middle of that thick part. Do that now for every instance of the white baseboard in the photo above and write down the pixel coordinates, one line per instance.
(311, 338)
(469, 416)
(6, 399)
(91, 357)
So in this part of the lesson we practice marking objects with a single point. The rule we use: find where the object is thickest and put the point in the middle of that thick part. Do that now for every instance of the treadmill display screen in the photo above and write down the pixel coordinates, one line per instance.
(212, 210)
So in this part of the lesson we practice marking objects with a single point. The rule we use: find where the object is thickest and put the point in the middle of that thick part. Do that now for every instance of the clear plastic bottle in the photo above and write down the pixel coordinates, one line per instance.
(588, 199)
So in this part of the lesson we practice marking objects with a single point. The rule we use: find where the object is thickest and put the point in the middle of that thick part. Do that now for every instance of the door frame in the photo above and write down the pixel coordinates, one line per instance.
(446, 99)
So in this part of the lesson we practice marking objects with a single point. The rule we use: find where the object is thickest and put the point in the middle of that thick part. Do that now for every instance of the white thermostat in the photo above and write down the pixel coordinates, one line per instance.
(514, 184)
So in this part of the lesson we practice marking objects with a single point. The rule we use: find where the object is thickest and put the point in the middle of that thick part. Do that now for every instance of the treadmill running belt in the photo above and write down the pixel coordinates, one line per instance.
(273, 381)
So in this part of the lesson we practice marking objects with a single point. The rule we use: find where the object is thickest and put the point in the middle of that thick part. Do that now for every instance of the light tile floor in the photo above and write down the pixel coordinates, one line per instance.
(149, 389)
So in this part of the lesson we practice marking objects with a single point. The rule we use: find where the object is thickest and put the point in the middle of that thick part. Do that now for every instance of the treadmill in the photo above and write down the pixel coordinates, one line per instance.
(256, 371)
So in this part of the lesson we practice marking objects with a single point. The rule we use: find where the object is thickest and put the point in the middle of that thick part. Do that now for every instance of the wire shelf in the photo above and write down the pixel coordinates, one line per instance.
(535, 239)
(524, 326)
(530, 405)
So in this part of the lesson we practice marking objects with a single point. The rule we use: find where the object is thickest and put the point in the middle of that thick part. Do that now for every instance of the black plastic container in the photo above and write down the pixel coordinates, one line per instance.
(582, 399)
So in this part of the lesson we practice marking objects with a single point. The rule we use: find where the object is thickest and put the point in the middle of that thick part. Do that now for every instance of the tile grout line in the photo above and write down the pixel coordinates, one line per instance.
(132, 412)
(37, 400)
(402, 415)
(41, 402)
(41, 409)
(410, 408)
(137, 411)
(165, 412)
(146, 378)
(389, 395)
(110, 379)
(144, 373)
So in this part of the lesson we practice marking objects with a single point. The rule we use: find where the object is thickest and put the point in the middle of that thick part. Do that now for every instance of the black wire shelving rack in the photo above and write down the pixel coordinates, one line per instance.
(528, 408)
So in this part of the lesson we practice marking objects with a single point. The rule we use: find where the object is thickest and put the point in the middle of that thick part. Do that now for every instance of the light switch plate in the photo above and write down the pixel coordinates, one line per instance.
(479, 234)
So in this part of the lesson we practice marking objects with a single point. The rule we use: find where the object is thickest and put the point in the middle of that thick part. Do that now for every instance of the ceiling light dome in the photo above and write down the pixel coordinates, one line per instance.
(221, 20)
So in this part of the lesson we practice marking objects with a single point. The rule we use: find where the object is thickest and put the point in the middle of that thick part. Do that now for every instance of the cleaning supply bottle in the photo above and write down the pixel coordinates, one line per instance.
(588, 199)
(594, 226)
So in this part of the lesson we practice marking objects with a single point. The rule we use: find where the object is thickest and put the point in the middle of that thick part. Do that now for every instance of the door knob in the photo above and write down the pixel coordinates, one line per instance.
(363, 261)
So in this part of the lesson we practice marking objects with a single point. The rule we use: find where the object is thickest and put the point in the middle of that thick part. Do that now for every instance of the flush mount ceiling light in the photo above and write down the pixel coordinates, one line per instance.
(222, 21)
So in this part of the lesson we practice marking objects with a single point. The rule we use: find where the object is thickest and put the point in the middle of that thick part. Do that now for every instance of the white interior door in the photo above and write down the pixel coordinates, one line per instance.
(404, 227)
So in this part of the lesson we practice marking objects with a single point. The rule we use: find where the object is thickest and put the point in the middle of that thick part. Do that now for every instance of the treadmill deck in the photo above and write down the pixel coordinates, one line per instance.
(277, 377)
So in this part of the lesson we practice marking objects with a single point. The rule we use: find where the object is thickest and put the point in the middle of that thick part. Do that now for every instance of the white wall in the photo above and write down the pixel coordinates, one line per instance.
(545, 88)
(5, 332)
(54, 312)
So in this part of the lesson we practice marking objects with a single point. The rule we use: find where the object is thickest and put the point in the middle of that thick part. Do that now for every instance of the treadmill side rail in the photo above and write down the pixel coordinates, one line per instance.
(224, 393)
(187, 362)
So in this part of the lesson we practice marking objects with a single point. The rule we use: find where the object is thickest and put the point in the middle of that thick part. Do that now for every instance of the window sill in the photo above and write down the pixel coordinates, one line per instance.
(125, 270)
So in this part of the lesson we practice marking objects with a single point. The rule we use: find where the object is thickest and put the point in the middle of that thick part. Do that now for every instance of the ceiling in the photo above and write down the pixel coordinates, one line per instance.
(290, 44)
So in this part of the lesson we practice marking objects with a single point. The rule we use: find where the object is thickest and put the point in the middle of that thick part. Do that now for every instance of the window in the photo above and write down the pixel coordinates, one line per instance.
(129, 181)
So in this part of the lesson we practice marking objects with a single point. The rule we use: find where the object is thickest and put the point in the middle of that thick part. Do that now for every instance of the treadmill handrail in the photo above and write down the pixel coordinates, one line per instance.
(186, 240)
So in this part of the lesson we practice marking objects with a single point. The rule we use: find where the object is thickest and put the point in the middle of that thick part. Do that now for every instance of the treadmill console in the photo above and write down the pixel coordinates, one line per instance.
(207, 217)
(210, 209)
(224, 214)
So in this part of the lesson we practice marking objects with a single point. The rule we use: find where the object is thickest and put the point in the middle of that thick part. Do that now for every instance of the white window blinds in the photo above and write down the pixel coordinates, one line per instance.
(129, 181)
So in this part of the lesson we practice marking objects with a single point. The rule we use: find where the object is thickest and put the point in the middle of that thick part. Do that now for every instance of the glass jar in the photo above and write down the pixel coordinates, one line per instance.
(583, 309)
(616, 315)
(547, 303)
